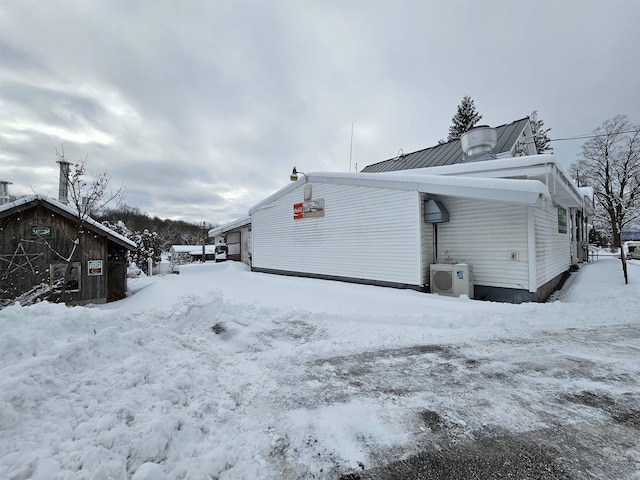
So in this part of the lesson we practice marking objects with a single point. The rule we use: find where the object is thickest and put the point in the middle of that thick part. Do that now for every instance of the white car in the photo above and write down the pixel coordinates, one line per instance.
(221, 252)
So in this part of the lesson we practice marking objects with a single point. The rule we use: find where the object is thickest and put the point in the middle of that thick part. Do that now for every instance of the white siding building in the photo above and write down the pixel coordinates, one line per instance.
(518, 225)
(237, 236)
(371, 228)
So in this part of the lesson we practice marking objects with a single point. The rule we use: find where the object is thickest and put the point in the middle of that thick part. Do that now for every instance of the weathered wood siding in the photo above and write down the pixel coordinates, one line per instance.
(487, 236)
(365, 233)
(26, 260)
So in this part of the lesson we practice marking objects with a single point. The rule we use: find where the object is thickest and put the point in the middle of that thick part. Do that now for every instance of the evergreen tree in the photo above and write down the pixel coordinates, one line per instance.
(540, 134)
(465, 118)
(148, 246)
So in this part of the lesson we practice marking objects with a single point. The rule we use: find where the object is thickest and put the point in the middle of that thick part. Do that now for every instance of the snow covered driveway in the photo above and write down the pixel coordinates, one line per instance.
(226, 374)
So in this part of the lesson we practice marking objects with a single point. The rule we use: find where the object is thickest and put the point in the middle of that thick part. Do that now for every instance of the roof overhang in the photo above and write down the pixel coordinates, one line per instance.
(70, 213)
(527, 192)
(241, 222)
(543, 168)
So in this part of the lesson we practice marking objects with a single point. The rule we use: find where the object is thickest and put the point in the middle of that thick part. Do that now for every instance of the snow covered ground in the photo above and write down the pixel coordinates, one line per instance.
(221, 373)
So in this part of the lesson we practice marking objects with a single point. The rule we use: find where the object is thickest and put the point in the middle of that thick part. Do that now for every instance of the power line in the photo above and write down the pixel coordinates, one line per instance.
(593, 135)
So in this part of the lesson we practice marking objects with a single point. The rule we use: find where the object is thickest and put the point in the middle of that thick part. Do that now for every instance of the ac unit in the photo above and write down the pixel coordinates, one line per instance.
(450, 279)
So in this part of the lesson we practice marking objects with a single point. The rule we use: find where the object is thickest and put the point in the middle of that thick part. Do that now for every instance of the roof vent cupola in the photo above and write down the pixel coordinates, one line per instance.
(479, 141)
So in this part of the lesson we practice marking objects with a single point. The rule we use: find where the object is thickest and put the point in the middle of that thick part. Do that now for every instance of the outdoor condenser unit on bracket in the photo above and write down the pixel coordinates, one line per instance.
(451, 279)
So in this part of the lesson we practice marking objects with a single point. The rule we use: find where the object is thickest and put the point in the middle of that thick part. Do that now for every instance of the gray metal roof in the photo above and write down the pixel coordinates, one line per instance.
(449, 153)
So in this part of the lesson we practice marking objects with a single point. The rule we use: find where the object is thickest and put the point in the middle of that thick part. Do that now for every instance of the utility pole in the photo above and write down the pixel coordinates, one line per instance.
(204, 241)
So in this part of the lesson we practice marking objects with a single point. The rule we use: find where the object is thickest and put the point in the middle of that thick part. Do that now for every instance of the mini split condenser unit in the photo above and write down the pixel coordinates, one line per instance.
(452, 279)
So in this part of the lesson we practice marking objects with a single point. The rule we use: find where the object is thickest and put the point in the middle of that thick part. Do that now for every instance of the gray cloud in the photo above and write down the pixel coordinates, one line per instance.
(203, 108)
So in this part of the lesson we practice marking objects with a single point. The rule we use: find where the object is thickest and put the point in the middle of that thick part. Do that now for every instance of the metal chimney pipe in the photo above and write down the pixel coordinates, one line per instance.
(480, 139)
(63, 186)
(4, 191)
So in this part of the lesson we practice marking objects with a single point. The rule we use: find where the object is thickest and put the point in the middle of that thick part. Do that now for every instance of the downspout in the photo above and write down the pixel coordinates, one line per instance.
(435, 242)
(574, 241)
(421, 281)
(531, 249)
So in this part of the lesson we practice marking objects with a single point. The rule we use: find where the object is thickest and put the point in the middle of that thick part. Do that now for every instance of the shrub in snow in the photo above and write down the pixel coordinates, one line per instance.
(133, 271)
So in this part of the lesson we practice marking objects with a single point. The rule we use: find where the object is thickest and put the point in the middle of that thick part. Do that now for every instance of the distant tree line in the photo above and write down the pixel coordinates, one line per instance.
(152, 235)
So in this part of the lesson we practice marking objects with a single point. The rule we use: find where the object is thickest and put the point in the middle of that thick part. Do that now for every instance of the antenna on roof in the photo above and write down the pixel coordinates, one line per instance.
(399, 155)
(351, 148)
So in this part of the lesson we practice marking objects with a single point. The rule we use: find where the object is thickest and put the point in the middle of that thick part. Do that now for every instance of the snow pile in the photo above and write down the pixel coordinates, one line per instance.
(223, 373)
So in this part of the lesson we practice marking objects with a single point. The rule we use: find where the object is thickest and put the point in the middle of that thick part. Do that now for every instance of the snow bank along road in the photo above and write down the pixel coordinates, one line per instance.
(219, 373)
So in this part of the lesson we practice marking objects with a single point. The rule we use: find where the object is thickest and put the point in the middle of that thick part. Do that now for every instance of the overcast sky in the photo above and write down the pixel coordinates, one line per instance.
(202, 108)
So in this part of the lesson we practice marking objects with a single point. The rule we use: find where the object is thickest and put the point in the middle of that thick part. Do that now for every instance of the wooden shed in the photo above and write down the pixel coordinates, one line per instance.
(42, 240)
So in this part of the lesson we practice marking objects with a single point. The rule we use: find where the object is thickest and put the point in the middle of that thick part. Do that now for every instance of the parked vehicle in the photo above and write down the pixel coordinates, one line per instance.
(633, 250)
(221, 252)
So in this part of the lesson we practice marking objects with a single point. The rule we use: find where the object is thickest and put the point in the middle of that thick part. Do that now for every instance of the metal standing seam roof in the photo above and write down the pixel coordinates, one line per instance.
(448, 153)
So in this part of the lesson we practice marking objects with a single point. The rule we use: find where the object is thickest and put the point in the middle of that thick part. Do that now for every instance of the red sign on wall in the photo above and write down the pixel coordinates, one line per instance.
(298, 211)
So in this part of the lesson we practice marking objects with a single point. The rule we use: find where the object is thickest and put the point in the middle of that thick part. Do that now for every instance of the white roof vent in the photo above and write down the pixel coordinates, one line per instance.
(480, 139)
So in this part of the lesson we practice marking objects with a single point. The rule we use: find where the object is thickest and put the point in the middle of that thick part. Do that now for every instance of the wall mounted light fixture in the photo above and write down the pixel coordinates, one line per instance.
(294, 175)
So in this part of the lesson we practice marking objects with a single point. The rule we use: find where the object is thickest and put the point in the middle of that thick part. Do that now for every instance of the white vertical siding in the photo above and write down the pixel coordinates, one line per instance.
(531, 250)
(366, 233)
(484, 235)
(553, 249)
(246, 245)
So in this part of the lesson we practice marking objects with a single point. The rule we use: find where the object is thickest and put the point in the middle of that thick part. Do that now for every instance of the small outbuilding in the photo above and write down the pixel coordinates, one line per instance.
(43, 241)
(237, 236)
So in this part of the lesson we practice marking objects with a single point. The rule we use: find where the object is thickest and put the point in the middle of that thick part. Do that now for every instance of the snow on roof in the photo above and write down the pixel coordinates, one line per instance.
(535, 165)
(587, 192)
(208, 250)
(246, 220)
(185, 248)
(509, 163)
(527, 192)
(70, 211)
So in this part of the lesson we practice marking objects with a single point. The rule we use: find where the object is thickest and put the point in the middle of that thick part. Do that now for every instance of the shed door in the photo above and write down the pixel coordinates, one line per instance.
(233, 243)
(116, 274)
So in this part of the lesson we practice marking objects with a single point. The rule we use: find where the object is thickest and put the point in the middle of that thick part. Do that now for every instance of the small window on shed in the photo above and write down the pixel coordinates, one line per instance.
(562, 220)
(57, 271)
